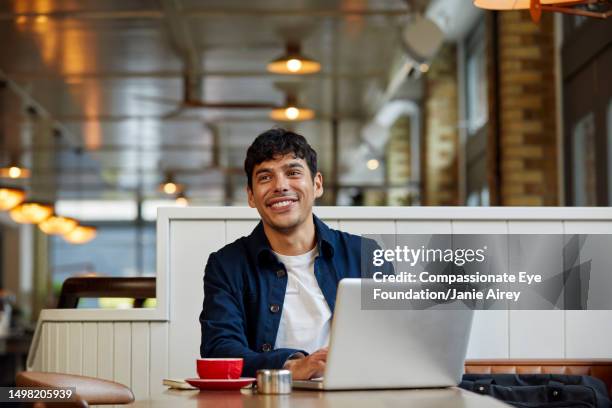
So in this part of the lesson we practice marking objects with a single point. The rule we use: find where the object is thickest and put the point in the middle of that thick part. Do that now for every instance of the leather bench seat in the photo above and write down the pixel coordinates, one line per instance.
(601, 369)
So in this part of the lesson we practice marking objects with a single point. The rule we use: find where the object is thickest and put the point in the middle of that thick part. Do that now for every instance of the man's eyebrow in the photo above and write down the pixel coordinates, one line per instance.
(263, 170)
(293, 165)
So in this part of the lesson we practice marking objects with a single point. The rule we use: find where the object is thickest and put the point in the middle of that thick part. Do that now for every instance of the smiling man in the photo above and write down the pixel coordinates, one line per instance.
(269, 297)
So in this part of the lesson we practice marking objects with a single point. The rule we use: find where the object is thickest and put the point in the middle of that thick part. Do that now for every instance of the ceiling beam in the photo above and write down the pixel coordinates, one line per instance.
(209, 12)
(83, 76)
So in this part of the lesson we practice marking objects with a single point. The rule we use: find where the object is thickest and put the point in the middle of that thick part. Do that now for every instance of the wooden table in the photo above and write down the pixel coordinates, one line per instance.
(246, 398)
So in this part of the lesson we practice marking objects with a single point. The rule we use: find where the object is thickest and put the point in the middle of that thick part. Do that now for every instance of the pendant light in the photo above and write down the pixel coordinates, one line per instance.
(81, 234)
(181, 199)
(13, 170)
(291, 112)
(31, 212)
(10, 197)
(536, 7)
(169, 186)
(57, 225)
(292, 62)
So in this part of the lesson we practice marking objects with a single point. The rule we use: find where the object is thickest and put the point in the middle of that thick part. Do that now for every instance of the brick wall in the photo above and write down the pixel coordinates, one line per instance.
(441, 137)
(398, 163)
(527, 124)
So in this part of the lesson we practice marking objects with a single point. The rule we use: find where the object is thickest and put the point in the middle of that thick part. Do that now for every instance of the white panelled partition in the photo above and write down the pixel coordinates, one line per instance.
(141, 347)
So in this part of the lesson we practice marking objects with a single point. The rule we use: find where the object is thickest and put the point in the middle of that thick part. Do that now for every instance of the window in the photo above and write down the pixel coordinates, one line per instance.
(609, 120)
(583, 141)
(119, 249)
(476, 116)
(476, 80)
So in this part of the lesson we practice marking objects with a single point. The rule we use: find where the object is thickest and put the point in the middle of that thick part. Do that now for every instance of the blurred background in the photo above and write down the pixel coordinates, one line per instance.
(109, 109)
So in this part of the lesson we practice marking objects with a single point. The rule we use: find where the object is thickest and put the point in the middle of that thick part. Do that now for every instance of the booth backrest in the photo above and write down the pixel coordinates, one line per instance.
(601, 369)
(140, 347)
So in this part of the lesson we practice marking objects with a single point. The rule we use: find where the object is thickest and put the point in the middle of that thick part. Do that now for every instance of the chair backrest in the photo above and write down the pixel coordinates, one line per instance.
(601, 369)
(89, 390)
(75, 288)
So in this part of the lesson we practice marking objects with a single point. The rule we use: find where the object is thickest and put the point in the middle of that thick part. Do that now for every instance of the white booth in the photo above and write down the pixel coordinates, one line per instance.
(140, 347)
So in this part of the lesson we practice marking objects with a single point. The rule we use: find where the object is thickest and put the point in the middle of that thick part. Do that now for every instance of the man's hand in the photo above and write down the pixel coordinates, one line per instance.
(308, 367)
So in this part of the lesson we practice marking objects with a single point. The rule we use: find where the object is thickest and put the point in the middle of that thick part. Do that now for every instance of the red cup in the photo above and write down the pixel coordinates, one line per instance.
(219, 368)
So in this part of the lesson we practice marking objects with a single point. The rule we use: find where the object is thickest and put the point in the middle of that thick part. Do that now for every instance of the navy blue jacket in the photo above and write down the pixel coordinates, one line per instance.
(244, 291)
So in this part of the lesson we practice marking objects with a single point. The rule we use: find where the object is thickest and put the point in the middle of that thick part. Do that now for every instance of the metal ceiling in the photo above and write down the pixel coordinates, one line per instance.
(97, 67)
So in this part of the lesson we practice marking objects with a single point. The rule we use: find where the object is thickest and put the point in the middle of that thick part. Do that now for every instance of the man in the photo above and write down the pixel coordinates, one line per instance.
(269, 297)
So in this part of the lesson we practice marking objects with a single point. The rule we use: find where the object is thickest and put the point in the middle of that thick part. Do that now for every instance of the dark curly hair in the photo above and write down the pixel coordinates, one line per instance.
(278, 142)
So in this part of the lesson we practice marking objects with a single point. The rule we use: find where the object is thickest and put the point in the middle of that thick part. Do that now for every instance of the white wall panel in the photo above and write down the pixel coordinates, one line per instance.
(75, 348)
(63, 347)
(45, 346)
(141, 358)
(489, 336)
(90, 349)
(235, 229)
(363, 227)
(54, 350)
(106, 350)
(588, 333)
(537, 333)
(331, 223)
(158, 357)
(122, 356)
(190, 244)
(423, 227)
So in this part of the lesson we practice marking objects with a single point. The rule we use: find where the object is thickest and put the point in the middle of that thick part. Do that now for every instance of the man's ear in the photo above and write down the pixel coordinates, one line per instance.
(250, 197)
(318, 185)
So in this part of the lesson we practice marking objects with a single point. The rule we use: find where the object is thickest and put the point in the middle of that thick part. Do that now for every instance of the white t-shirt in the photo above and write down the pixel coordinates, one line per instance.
(306, 317)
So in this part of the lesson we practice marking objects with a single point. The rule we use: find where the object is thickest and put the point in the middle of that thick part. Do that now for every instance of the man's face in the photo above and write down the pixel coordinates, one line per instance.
(284, 191)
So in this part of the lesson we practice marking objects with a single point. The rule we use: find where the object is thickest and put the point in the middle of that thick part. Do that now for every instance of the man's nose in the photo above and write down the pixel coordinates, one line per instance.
(281, 183)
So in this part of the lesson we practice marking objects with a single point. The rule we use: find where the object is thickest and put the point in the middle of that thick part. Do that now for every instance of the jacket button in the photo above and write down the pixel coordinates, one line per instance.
(280, 273)
(274, 308)
(266, 347)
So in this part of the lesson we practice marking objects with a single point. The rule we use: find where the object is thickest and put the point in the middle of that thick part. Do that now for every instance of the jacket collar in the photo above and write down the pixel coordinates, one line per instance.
(260, 248)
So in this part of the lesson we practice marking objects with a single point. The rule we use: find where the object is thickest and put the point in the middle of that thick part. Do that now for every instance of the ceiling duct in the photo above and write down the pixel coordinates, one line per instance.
(421, 41)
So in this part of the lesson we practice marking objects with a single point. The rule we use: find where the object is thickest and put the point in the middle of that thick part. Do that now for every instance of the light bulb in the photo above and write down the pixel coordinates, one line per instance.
(292, 113)
(294, 65)
(14, 172)
(372, 164)
(170, 188)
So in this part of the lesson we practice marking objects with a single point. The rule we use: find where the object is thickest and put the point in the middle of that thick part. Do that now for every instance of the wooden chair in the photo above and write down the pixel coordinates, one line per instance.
(89, 390)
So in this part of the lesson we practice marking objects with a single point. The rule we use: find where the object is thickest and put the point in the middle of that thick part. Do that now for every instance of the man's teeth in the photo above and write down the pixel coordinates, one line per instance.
(281, 204)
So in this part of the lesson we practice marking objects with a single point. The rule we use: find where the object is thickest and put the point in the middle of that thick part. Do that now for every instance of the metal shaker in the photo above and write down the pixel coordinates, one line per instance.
(273, 381)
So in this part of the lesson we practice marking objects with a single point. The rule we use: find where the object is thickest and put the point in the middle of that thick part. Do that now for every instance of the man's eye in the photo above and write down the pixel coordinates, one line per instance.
(264, 178)
(294, 173)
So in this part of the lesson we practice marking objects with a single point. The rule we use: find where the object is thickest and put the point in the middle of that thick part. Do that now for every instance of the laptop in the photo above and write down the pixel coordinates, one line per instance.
(390, 349)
